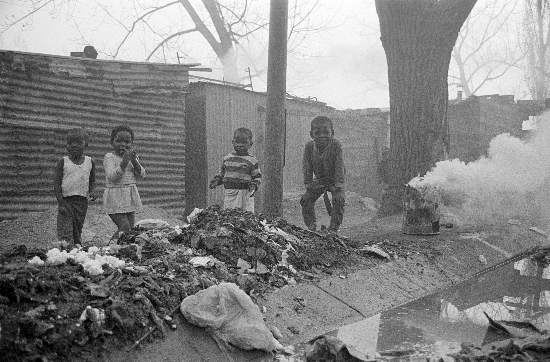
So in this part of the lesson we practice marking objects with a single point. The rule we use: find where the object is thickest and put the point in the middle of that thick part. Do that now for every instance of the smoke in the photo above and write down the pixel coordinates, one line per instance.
(511, 181)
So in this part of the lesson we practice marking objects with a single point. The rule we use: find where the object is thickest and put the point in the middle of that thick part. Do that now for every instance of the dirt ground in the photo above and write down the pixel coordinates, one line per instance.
(426, 255)
(26, 293)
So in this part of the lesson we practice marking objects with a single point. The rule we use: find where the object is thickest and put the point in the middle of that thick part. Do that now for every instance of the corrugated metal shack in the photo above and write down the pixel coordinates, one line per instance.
(213, 111)
(41, 96)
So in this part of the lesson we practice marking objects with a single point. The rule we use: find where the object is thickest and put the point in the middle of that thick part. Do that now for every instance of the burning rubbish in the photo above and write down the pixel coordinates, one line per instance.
(511, 181)
(421, 211)
(59, 304)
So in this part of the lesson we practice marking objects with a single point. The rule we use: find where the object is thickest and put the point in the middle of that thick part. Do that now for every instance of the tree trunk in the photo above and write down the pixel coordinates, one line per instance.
(540, 77)
(462, 75)
(418, 37)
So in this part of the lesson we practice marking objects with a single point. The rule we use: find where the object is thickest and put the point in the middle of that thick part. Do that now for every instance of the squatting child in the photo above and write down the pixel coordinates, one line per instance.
(122, 168)
(239, 173)
(74, 183)
(323, 168)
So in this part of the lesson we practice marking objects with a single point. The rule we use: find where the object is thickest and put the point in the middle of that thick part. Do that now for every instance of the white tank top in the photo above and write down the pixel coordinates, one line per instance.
(76, 178)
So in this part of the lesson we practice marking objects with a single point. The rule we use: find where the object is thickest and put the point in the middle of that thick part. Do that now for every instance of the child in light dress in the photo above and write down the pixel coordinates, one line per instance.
(122, 169)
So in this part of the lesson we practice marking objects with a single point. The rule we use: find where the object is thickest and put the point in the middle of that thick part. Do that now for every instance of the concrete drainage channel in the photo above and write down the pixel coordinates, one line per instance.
(306, 310)
(494, 305)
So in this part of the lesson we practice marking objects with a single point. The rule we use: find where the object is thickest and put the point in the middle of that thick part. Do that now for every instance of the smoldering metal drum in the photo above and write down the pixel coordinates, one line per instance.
(420, 211)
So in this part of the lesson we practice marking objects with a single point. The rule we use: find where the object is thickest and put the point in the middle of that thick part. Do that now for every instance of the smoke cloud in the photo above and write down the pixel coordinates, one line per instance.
(513, 180)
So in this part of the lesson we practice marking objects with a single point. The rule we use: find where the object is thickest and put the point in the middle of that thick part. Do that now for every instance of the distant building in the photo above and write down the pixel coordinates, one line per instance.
(475, 121)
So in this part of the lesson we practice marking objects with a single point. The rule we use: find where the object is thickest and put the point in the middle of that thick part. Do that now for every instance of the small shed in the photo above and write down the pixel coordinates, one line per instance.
(41, 96)
(215, 110)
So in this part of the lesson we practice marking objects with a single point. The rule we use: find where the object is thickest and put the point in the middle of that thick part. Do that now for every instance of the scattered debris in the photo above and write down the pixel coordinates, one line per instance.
(538, 231)
(193, 215)
(376, 250)
(276, 333)
(203, 261)
(482, 259)
(514, 349)
(148, 224)
(515, 328)
(293, 330)
(36, 261)
(92, 261)
(328, 348)
(134, 284)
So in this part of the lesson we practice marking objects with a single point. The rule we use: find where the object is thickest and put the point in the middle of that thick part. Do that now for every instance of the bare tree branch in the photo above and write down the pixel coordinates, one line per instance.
(29, 14)
(472, 54)
(488, 78)
(140, 18)
(201, 27)
(106, 11)
(488, 36)
(253, 30)
(296, 24)
(167, 39)
(239, 18)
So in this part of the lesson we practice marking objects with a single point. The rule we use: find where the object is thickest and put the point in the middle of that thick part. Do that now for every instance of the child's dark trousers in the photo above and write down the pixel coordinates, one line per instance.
(308, 209)
(69, 224)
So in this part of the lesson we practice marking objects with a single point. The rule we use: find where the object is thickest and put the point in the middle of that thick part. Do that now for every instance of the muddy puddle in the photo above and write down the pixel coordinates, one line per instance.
(436, 325)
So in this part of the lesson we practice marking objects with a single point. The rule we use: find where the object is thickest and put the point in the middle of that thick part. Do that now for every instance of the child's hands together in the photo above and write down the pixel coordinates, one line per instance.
(133, 154)
(127, 156)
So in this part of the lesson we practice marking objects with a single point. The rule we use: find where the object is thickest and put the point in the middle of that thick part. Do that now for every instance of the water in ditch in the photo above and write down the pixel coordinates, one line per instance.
(436, 325)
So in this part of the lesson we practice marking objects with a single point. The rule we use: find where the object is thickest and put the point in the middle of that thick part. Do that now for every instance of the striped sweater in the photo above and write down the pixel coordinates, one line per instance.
(239, 171)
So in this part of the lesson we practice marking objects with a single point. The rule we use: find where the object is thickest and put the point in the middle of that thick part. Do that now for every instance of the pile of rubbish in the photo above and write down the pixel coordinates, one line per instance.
(60, 304)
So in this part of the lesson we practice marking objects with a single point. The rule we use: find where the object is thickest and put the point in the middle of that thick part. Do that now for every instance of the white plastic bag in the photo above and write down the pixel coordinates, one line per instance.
(193, 215)
(231, 315)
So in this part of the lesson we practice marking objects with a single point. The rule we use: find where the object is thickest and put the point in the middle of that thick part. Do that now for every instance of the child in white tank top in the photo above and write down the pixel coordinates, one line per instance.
(74, 183)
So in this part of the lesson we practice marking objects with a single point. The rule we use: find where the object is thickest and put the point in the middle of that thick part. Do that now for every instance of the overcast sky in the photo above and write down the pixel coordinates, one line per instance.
(343, 64)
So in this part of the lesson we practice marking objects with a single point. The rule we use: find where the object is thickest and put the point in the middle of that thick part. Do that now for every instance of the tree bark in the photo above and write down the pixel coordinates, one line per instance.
(540, 77)
(418, 37)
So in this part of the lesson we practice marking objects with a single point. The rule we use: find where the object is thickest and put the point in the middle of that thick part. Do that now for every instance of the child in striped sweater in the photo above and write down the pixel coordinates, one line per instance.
(239, 173)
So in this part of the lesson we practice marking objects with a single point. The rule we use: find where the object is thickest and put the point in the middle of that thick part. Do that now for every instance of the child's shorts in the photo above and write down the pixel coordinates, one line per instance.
(238, 199)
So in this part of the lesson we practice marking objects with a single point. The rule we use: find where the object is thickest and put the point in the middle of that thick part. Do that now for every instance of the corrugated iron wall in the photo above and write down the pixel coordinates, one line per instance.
(363, 134)
(41, 96)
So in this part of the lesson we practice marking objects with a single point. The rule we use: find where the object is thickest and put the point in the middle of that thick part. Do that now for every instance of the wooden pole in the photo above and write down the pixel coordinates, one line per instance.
(275, 117)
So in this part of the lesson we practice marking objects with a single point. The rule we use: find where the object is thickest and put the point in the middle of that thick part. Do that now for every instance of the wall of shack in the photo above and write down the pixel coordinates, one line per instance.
(41, 96)
(215, 110)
